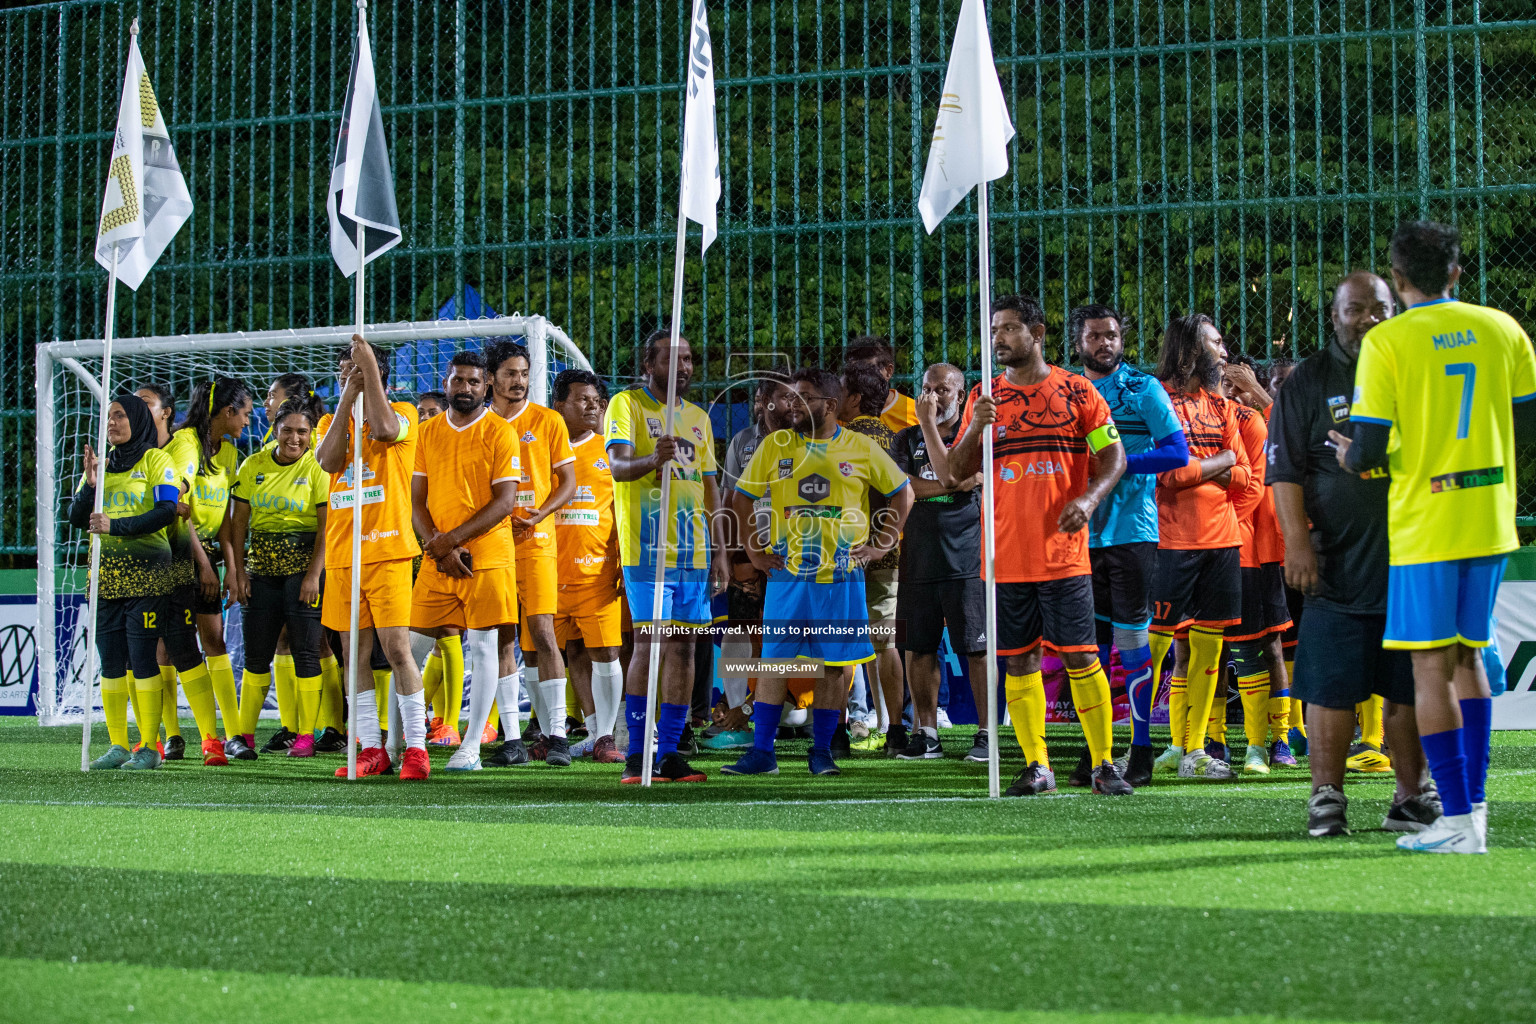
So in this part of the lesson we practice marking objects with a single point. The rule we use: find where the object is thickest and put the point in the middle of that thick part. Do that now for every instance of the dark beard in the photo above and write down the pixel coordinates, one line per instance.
(1208, 370)
(464, 402)
(1090, 363)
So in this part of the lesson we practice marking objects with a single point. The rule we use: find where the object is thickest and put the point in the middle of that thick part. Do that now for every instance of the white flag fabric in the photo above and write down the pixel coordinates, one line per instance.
(146, 201)
(701, 150)
(971, 135)
(362, 190)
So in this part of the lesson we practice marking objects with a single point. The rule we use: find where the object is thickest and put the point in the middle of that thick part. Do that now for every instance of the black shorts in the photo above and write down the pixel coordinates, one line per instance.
(924, 609)
(1192, 588)
(1264, 607)
(1122, 582)
(1340, 661)
(1060, 612)
(337, 643)
(201, 605)
(128, 629)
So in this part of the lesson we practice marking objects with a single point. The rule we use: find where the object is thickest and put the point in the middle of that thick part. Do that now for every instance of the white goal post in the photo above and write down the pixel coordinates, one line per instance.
(68, 405)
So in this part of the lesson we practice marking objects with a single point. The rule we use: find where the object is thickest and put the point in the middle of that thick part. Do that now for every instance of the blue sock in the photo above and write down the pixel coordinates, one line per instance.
(1104, 650)
(669, 728)
(765, 724)
(1476, 728)
(823, 725)
(1449, 767)
(634, 717)
(1138, 687)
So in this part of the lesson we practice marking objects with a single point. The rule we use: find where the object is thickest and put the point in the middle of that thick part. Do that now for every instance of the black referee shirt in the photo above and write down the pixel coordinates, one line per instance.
(1348, 510)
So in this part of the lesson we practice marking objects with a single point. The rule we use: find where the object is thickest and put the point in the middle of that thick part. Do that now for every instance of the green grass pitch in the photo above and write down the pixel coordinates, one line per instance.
(270, 891)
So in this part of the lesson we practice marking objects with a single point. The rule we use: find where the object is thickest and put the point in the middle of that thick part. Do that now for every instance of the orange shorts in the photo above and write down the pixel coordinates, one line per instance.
(591, 611)
(484, 601)
(538, 584)
(385, 590)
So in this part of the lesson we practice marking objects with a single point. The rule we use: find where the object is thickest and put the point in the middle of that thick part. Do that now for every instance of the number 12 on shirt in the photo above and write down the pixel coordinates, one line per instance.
(1468, 373)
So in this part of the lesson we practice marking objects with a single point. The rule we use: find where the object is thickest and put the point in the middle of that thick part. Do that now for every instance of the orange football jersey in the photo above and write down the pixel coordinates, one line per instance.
(387, 469)
(584, 527)
(460, 464)
(543, 443)
(1190, 517)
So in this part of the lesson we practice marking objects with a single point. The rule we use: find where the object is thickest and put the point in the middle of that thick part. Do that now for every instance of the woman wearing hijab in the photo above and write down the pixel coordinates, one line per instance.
(139, 492)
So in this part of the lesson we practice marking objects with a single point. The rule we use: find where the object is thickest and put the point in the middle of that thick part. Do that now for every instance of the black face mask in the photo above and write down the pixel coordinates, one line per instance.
(142, 437)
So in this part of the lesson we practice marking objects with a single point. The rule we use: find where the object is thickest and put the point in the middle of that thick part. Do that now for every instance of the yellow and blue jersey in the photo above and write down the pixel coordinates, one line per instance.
(210, 482)
(819, 494)
(138, 566)
(1444, 375)
(637, 418)
(284, 500)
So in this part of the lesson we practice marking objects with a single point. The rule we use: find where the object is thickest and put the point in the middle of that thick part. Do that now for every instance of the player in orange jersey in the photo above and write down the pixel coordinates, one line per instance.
(389, 545)
(463, 491)
(548, 481)
(589, 617)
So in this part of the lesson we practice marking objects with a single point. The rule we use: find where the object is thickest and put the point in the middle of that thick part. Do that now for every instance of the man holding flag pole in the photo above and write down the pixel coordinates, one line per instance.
(368, 582)
(145, 204)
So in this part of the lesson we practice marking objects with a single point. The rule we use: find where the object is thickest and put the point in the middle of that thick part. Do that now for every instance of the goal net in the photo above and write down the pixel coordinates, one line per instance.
(68, 411)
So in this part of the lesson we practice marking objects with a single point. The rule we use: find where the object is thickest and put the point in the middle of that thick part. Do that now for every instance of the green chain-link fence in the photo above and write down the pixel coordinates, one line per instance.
(1230, 156)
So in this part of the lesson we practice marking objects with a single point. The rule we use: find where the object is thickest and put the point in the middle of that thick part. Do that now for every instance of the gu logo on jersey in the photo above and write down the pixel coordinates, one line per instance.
(528, 437)
(815, 488)
(685, 449)
(845, 468)
(1338, 405)
(653, 426)
(786, 467)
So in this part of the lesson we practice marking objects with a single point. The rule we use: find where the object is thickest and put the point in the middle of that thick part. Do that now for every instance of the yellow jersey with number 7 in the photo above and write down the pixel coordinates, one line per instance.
(1445, 375)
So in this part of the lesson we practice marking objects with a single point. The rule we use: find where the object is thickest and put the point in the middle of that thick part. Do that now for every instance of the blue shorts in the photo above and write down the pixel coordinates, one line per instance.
(1433, 604)
(828, 621)
(684, 596)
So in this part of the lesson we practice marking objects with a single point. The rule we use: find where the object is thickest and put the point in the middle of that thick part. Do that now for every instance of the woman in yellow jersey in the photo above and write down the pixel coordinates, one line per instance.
(178, 653)
(289, 386)
(139, 492)
(279, 501)
(218, 409)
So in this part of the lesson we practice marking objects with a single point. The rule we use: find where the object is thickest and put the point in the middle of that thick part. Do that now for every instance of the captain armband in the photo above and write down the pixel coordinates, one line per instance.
(1103, 437)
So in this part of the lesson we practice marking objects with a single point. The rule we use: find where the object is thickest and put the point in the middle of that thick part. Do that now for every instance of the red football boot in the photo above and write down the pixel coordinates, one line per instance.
(414, 765)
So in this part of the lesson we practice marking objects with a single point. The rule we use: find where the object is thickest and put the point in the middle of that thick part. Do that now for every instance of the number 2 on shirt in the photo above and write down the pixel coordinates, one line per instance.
(1468, 373)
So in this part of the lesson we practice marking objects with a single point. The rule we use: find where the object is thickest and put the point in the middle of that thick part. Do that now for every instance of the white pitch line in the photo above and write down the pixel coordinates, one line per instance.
(562, 805)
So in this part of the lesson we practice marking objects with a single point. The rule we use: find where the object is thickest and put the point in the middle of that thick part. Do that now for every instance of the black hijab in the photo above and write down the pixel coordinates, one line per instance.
(142, 437)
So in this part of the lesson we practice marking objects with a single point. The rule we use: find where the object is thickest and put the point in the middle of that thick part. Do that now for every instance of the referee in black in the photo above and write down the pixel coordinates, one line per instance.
(1340, 564)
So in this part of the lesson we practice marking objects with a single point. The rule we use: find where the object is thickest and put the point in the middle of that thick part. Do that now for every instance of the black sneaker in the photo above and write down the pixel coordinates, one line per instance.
(1414, 814)
(842, 743)
(331, 740)
(175, 748)
(921, 748)
(1082, 775)
(1138, 771)
(674, 768)
(512, 752)
(1326, 813)
(280, 741)
(1108, 782)
(531, 731)
(634, 765)
(688, 742)
(1032, 781)
(559, 754)
(979, 744)
(575, 729)
(236, 750)
(896, 739)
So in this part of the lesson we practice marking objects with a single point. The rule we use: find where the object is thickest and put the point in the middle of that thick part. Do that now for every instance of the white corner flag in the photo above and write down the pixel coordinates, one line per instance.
(701, 150)
(146, 200)
(362, 191)
(971, 135)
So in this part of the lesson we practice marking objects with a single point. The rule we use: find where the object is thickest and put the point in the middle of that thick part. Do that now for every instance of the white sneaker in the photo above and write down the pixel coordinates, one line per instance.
(465, 759)
(944, 722)
(1480, 819)
(1449, 834)
(1200, 765)
(584, 748)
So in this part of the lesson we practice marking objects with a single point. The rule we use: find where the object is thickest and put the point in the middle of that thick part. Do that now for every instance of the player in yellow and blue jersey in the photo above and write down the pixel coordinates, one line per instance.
(1438, 391)
(695, 561)
(817, 476)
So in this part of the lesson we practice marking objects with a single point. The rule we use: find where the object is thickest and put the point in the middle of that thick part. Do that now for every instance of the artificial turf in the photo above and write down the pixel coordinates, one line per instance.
(271, 891)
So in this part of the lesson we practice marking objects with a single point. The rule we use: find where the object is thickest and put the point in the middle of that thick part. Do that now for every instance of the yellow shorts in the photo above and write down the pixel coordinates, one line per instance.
(591, 611)
(385, 590)
(538, 584)
(485, 601)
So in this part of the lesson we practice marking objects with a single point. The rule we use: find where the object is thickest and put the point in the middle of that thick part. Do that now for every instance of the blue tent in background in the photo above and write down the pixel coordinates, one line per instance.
(421, 365)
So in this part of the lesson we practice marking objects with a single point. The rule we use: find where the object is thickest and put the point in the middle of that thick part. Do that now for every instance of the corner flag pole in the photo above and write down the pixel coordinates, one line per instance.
(989, 501)
(91, 658)
(357, 532)
(664, 533)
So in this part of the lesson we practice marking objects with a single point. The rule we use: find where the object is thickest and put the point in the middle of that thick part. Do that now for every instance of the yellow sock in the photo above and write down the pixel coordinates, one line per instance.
(1178, 710)
(1204, 664)
(1026, 709)
(330, 694)
(381, 678)
(1297, 721)
(168, 701)
(148, 700)
(1279, 718)
(451, 651)
(114, 703)
(432, 683)
(495, 720)
(253, 694)
(1216, 725)
(1372, 726)
(223, 675)
(1254, 691)
(286, 680)
(1090, 692)
(308, 694)
(198, 686)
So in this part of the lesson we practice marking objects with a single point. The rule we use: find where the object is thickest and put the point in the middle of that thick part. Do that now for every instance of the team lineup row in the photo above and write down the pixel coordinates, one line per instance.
(1134, 514)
